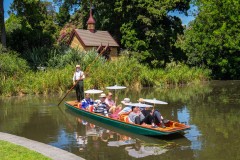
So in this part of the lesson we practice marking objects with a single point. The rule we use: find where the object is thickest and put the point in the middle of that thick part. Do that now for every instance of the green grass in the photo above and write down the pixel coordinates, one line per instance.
(9, 151)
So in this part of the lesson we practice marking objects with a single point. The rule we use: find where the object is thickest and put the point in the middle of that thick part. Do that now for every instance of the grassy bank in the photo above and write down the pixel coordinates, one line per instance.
(16, 152)
(20, 79)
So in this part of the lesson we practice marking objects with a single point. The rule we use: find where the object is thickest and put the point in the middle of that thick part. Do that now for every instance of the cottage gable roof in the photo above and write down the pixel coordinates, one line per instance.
(96, 38)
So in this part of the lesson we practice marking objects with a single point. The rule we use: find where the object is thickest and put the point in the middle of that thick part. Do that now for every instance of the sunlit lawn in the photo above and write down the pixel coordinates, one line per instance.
(9, 151)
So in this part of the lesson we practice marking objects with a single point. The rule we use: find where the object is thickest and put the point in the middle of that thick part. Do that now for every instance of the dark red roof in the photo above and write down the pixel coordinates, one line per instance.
(95, 39)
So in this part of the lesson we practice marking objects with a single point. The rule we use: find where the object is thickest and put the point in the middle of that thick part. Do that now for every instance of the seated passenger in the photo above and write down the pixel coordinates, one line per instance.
(157, 117)
(112, 105)
(87, 101)
(101, 106)
(128, 108)
(137, 117)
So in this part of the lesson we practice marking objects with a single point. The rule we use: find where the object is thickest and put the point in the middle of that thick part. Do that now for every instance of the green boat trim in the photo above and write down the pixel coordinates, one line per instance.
(172, 127)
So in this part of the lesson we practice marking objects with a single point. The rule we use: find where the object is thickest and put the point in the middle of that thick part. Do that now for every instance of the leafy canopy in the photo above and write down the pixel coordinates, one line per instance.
(213, 38)
(141, 26)
(31, 24)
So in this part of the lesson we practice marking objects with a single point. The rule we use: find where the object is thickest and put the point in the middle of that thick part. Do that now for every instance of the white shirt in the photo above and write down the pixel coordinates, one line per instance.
(77, 75)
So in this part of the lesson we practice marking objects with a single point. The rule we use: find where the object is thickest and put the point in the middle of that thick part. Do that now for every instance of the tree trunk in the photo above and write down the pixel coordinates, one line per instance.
(2, 24)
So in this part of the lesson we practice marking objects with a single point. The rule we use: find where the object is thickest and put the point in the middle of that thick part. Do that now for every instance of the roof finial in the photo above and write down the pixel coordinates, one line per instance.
(91, 22)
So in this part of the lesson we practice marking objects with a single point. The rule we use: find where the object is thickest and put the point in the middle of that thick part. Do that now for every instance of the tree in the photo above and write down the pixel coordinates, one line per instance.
(2, 25)
(148, 29)
(63, 16)
(141, 26)
(212, 40)
(31, 24)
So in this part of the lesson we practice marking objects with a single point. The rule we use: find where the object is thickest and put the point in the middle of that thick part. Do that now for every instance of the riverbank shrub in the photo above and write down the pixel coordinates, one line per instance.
(44, 82)
(59, 57)
(12, 68)
(66, 57)
(11, 65)
(57, 78)
(123, 71)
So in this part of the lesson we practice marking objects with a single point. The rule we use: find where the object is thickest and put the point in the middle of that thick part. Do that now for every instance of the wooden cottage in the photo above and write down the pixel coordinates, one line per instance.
(88, 39)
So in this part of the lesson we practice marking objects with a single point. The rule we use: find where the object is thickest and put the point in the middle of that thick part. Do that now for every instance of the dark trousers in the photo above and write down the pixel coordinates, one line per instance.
(157, 117)
(148, 120)
(79, 91)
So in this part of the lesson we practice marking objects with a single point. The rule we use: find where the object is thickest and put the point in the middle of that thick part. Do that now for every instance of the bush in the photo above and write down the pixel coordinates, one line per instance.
(49, 81)
(19, 79)
(11, 64)
(123, 71)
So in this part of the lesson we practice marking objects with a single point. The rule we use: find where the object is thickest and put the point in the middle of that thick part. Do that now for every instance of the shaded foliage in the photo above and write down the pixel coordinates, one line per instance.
(2, 25)
(11, 65)
(140, 26)
(148, 30)
(213, 39)
(35, 25)
(63, 15)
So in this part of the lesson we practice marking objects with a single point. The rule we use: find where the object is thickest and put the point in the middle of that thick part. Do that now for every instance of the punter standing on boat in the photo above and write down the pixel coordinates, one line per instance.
(78, 78)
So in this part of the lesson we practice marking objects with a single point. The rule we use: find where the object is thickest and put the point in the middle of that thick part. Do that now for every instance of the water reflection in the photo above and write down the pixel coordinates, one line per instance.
(144, 151)
(133, 146)
(122, 141)
(212, 110)
(193, 134)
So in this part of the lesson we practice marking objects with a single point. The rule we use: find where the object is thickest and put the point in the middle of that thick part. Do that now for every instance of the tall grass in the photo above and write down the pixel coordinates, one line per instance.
(122, 71)
(57, 78)
(179, 74)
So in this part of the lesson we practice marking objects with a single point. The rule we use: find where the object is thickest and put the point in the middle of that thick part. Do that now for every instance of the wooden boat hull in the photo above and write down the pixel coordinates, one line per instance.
(172, 127)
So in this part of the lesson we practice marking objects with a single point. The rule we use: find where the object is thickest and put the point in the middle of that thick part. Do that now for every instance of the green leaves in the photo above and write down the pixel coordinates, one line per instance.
(10, 64)
(212, 39)
(31, 24)
(146, 28)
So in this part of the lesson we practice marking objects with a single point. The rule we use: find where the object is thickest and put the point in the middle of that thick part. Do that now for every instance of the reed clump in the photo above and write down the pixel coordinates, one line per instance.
(19, 77)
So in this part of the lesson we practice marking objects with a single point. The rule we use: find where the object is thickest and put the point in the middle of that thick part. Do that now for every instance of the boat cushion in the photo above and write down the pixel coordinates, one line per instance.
(124, 117)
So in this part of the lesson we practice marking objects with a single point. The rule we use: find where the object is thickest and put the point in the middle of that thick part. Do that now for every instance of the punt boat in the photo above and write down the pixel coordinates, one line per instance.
(172, 127)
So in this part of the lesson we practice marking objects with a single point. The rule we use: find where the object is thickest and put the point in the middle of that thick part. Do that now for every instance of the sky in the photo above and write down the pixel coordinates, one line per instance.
(185, 19)
(6, 4)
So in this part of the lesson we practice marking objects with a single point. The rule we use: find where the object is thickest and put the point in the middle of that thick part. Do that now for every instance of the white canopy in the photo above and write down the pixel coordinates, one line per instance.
(154, 101)
(139, 105)
(116, 87)
(93, 91)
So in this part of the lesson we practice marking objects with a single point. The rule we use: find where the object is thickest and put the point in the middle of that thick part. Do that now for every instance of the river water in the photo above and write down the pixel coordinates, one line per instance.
(211, 109)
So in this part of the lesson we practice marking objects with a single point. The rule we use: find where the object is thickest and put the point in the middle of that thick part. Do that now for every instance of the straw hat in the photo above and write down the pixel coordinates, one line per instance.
(105, 137)
(140, 100)
(78, 66)
(95, 138)
(102, 95)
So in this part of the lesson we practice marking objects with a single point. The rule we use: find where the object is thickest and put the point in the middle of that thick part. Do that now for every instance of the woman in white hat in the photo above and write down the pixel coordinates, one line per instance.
(128, 108)
(78, 77)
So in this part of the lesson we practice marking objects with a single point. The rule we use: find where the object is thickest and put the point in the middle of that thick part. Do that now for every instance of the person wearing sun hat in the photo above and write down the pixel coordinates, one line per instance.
(101, 106)
(126, 101)
(112, 105)
(128, 108)
(78, 78)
